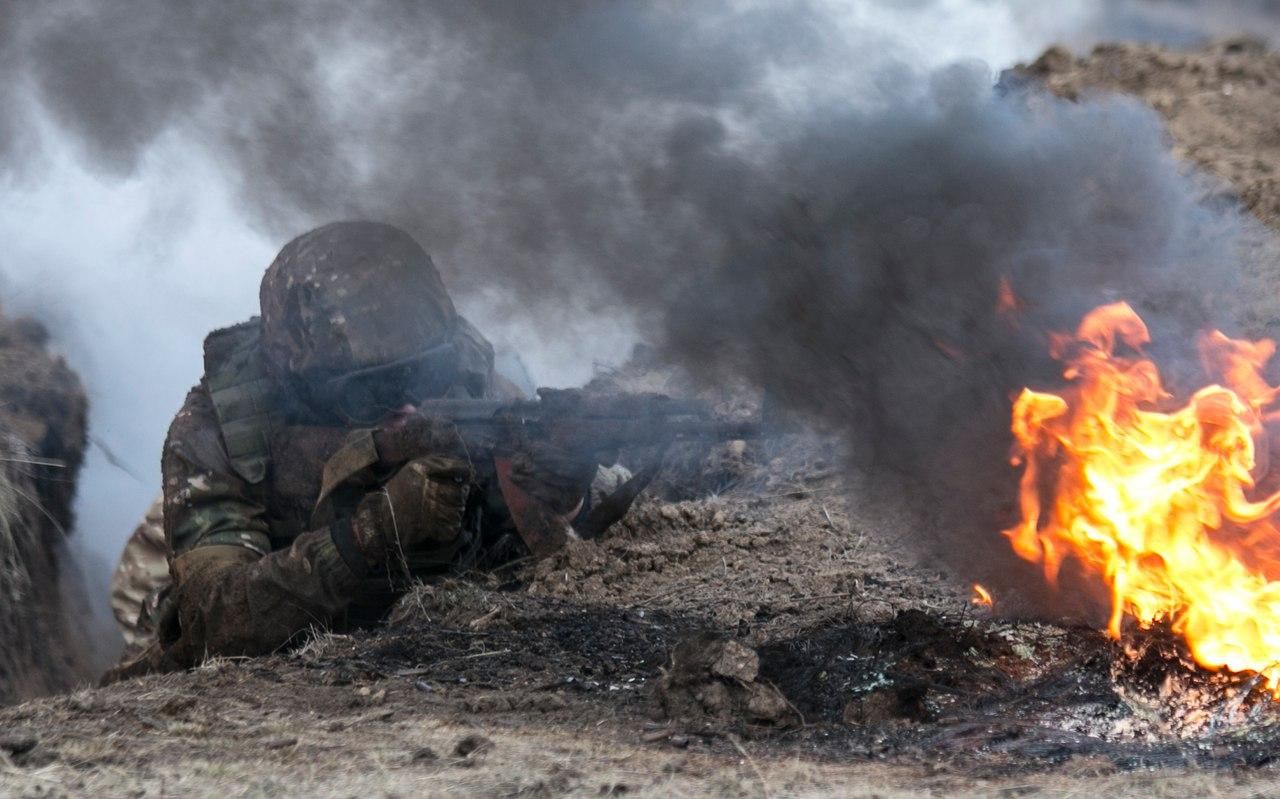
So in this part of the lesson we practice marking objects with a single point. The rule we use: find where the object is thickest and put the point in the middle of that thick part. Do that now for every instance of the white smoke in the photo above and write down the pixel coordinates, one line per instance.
(131, 272)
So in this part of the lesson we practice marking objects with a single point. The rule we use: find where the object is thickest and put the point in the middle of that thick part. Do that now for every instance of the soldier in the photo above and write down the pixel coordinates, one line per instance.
(301, 489)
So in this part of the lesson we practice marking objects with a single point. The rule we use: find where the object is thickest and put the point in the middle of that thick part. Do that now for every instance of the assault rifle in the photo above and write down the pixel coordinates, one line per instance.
(587, 423)
(583, 426)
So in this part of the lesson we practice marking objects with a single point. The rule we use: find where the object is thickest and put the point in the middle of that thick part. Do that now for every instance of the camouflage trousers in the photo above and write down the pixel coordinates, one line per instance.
(140, 581)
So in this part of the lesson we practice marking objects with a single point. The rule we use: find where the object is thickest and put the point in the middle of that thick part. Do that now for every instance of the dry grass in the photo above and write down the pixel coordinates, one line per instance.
(24, 564)
(18, 530)
(39, 650)
(393, 759)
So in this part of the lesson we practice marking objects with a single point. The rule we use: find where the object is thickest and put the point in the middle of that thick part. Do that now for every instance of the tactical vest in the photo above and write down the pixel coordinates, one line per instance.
(252, 417)
(244, 397)
(248, 402)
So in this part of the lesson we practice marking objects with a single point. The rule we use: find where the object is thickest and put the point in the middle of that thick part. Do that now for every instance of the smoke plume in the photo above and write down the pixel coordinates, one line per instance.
(799, 195)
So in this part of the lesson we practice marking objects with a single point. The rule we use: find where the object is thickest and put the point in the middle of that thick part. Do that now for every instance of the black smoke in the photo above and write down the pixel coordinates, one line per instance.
(831, 230)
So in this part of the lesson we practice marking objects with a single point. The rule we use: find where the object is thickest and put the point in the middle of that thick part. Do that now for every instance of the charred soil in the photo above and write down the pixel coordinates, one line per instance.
(843, 670)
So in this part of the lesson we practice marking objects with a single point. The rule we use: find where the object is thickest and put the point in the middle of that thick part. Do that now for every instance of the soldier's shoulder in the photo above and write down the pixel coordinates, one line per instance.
(244, 396)
(228, 344)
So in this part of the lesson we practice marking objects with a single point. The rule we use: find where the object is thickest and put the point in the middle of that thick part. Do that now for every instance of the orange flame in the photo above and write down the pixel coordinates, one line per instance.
(981, 597)
(1156, 503)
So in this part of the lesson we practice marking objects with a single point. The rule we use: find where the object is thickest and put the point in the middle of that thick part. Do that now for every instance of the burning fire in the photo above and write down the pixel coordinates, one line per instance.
(981, 597)
(1155, 500)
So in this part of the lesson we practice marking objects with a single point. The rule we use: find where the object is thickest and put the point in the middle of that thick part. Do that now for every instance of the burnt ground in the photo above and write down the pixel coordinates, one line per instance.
(628, 666)
(778, 637)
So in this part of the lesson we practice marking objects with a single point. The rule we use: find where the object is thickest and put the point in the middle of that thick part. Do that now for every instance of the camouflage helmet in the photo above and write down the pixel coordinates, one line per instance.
(352, 296)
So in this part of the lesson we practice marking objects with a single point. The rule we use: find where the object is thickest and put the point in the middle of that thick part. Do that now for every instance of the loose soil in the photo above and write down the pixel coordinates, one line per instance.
(774, 636)
(628, 665)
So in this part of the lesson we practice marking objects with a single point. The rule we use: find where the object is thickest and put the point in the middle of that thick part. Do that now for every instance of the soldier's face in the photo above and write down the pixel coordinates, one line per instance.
(373, 394)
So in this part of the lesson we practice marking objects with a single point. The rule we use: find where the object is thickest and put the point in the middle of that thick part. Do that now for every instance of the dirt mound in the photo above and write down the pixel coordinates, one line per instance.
(758, 564)
(1220, 105)
(42, 441)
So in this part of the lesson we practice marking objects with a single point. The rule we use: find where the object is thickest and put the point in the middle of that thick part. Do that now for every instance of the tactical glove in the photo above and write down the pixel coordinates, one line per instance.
(556, 476)
(417, 436)
(421, 506)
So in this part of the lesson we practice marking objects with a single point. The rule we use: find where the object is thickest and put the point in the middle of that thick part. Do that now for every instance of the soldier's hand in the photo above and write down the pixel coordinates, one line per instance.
(422, 505)
(417, 436)
(557, 476)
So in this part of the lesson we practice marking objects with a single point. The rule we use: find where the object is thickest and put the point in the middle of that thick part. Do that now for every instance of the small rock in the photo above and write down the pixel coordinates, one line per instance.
(766, 703)
(370, 696)
(424, 686)
(736, 662)
(679, 741)
(472, 744)
(424, 754)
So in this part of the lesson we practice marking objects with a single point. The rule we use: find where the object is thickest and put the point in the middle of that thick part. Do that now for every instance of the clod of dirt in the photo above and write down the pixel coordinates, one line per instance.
(736, 662)
(715, 680)
(472, 745)
(884, 705)
(368, 696)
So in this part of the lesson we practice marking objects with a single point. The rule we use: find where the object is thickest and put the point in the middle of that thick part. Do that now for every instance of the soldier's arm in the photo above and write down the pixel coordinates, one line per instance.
(232, 594)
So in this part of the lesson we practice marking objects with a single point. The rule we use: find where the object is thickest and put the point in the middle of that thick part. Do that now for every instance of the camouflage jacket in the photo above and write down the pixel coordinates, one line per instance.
(251, 560)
